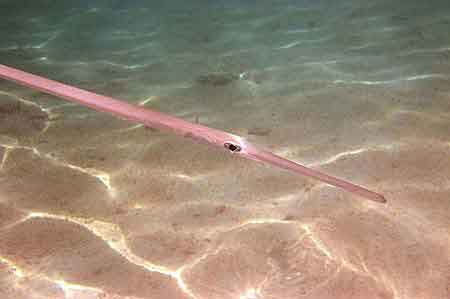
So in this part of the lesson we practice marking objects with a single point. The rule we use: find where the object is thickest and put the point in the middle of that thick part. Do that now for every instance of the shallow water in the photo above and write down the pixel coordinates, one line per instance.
(96, 207)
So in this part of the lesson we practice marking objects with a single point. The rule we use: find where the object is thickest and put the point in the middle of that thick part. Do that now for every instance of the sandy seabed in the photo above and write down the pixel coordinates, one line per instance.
(96, 207)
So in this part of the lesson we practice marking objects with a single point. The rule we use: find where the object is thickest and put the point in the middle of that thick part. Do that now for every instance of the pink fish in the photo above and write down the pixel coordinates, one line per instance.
(220, 139)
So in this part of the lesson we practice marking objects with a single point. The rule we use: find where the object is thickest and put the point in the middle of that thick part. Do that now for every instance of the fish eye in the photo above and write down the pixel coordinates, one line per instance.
(232, 147)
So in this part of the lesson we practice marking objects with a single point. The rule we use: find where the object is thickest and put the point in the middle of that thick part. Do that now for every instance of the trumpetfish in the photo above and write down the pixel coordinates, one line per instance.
(234, 144)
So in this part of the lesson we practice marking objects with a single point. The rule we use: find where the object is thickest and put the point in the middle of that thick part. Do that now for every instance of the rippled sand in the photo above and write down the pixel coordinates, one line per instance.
(96, 207)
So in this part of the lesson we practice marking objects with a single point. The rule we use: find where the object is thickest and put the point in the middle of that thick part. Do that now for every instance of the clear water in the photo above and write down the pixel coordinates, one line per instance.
(95, 207)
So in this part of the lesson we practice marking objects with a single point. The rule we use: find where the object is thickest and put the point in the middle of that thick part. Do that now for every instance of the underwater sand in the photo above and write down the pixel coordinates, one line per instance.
(96, 207)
